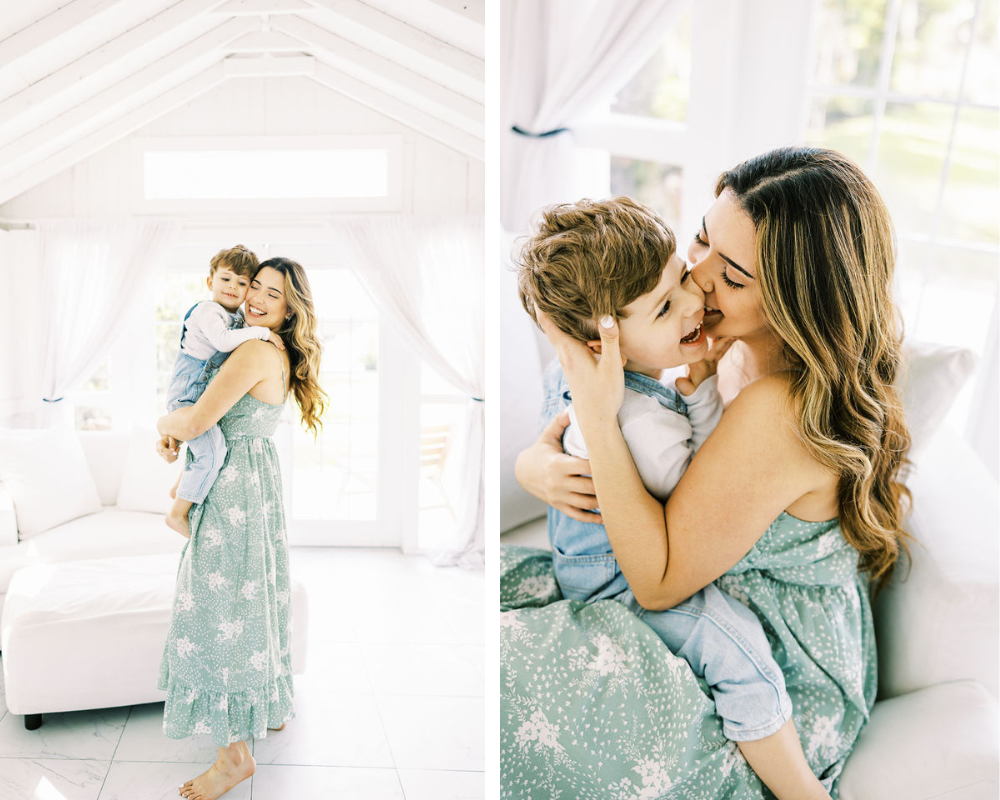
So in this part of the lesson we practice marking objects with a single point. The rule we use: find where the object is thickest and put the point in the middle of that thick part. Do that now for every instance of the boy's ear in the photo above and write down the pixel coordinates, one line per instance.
(208, 281)
(595, 346)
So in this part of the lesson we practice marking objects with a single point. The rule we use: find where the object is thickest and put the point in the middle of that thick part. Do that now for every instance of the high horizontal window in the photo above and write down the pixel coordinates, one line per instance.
(264, 174)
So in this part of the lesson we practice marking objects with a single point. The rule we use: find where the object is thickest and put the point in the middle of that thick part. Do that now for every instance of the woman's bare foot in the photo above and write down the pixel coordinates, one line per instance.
(283, 724)
(179, 523)
(234, 765)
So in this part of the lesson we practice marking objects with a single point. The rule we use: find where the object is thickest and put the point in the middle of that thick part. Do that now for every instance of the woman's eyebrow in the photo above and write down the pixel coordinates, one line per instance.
(728, 260)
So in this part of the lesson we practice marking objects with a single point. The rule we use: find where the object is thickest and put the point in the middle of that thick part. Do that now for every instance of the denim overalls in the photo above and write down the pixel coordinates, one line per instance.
(719, 637)
(208, 451)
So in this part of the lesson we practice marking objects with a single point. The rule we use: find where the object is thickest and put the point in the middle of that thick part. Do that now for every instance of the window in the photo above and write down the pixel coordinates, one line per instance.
(335, 476)
(272, 174)
(903, 88)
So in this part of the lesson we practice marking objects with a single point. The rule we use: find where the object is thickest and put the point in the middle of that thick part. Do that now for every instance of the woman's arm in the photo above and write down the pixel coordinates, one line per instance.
(557, 479)
(749, 470)
(243, 370)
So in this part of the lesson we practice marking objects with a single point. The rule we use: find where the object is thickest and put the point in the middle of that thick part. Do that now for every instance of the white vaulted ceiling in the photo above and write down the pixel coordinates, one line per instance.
(76, 76)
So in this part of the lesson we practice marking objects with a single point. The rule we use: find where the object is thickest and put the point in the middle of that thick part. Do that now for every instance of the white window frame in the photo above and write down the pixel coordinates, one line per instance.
(391, 202)
(132, 398)
(982, 410)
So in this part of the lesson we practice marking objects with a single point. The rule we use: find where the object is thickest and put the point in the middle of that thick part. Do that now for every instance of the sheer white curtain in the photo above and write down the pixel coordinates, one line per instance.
(561, 58)
(426, 276)
(91, 275)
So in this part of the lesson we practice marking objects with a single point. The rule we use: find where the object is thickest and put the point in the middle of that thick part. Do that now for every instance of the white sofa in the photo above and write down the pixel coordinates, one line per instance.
(90, 599)
(110, 532)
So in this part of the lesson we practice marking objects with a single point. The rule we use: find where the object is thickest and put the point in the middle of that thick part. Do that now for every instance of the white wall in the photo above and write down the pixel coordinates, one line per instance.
(436, 179)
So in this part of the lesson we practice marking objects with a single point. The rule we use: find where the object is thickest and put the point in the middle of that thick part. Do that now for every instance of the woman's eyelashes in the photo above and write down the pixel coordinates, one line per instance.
(730, 283)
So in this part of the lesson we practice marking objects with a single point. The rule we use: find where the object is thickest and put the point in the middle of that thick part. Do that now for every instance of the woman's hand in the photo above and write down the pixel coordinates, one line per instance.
(596, 384)
(167, 448)
(558, 479)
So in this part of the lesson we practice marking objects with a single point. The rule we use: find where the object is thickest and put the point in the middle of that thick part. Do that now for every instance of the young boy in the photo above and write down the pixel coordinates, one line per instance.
(589, 260)
(212, 329)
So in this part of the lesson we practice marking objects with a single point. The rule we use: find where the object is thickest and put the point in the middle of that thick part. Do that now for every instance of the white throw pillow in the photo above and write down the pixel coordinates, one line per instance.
(46, 474)
(931, 378)
(148, 478)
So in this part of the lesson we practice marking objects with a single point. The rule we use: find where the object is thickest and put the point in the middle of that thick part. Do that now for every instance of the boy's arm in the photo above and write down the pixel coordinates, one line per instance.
(704, 411)
(213, 321)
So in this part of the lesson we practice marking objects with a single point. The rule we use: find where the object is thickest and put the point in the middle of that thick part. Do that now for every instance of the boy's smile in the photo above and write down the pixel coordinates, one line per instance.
(663, 328)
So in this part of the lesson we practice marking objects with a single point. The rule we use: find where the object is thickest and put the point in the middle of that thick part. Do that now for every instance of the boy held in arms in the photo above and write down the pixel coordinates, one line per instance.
(616, 258)
(211, 330)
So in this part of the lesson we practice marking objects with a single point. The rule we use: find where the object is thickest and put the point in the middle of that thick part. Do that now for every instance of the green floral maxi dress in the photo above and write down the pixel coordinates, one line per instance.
(593, 706)
(226, 663)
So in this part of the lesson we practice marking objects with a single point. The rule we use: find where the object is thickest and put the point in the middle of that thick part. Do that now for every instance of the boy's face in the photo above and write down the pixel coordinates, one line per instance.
(228, 289)
(663, 327)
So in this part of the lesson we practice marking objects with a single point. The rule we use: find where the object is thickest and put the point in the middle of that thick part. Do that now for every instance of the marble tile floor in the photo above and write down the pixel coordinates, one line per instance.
(390, 707)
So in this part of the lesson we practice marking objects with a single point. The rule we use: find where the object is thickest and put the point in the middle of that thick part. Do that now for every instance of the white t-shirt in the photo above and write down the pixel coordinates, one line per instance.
(210, 330)
(660, 440)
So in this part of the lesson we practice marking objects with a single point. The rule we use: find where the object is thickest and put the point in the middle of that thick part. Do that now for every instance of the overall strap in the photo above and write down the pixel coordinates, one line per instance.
(184, 321)
(637, 382)
(669, 398)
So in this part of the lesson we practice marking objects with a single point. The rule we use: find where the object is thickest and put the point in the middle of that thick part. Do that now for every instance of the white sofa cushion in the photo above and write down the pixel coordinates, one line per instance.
(940, 742)
(147, 478)
(106, 534)
(105, 452)
(47, 477)
(931, 378)
(939, 621)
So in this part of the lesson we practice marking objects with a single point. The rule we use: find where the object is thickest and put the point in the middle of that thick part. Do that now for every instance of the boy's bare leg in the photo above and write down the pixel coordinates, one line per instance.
(779, 761)
(177, 517)
(173, 491)
(234, 765)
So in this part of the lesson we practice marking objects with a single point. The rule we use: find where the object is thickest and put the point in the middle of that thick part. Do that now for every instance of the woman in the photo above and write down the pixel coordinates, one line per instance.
(227, 663)
(792, 505)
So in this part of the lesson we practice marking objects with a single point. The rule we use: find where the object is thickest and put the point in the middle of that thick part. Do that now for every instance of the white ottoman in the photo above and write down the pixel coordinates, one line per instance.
(90, 634)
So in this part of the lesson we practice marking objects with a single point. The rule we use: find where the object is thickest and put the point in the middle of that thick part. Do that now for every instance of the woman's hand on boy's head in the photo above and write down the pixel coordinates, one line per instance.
(597, 385)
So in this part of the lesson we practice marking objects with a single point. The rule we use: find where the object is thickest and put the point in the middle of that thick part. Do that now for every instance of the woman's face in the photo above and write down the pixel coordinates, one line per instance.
(721, 258)
(266, 303)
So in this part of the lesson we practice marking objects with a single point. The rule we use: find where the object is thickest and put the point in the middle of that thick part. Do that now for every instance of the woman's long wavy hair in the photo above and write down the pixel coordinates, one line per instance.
(825, 256)
(302, 344)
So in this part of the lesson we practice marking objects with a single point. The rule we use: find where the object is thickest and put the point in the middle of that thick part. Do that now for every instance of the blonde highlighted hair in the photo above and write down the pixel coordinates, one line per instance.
(825, 259)
(302, 343)
(590, 259)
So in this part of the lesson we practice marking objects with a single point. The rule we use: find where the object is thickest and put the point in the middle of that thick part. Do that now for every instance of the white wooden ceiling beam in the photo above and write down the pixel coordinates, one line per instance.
(258, 8)
(403, 35)
(363, 64)
(400, 111)
(109, 134)
(34, 145)
(42, 31)
(266, 42)
(105, 55)
(269, 67)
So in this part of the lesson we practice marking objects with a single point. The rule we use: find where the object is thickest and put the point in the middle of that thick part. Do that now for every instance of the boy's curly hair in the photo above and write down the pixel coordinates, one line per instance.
(239, 259)
(589, 259)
